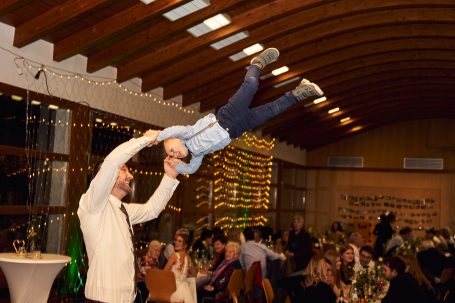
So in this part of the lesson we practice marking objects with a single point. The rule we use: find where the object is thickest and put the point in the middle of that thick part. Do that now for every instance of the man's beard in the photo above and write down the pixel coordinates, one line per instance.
(124, 186)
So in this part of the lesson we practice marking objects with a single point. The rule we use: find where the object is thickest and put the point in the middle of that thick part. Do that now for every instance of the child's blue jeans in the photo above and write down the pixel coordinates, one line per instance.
(237, 116)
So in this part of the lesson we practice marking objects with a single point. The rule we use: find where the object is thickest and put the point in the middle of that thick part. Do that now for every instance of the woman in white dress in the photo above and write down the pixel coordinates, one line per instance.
(179, 263)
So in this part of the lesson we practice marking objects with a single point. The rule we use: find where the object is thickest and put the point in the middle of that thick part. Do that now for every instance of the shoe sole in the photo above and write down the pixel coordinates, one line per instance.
(315, 86)
(277, 51)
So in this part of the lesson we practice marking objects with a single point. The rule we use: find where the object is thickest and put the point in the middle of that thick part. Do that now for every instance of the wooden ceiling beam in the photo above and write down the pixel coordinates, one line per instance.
(323, 37)
(142, 40)
(361, 88)
(368, 122)
(197, 94)
(305, 67)
(189, 45)
(379, 104)
(55, 18)
(8, 6)
(355, 83)
(349, 99)
(353, 70)
(125, 20)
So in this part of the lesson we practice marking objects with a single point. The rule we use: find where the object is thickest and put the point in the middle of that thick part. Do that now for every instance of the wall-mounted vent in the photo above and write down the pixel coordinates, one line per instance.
(335, 161)
(423, 163)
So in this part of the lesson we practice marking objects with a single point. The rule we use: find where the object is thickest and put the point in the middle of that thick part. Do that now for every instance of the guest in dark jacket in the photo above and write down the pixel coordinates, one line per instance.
(219, 245)
(299, 246)
(403, 288)
(433, 261)
(316, 285)
(384, 231)
(217, 287)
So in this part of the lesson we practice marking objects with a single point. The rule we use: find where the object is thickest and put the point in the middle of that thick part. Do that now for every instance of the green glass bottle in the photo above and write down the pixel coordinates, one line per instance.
(341, 297)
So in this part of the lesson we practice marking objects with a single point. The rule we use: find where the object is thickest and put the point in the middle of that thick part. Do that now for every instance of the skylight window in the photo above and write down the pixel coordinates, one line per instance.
(275, 72)
(186, 9)
(248, 51)
(320, 100)
(209, 25)
(230, 40)
(334, 110)
(280, 70)
(286, 82)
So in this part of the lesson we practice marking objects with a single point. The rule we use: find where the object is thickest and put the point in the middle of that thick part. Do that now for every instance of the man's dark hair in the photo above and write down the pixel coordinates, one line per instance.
(248, 232)
(405, 230)
(217, 231)
(219, 237)
(395, 263)
(206, 233)
(368, 249)
(96, 168)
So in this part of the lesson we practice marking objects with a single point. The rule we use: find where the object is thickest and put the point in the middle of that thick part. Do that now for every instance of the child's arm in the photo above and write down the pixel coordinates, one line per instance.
(189, 168)
(178, 131)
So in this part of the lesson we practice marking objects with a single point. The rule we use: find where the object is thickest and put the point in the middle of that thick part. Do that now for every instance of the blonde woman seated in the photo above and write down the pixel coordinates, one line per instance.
(316, 285)
(179, 263)
(216, 289)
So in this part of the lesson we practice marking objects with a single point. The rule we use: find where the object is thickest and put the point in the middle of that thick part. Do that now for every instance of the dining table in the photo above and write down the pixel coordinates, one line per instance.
(30, 277)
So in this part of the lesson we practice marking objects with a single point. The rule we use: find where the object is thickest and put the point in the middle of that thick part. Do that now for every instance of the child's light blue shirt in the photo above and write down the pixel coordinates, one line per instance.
(200, 139)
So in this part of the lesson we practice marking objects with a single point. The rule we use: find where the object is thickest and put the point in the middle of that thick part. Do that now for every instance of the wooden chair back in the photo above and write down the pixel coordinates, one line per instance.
(268, 290)
(235, 285)
(249, 277)
(160, 284)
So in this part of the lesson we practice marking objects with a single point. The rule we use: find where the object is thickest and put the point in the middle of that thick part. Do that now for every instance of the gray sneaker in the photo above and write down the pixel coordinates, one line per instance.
(266, 57)
(306, 89)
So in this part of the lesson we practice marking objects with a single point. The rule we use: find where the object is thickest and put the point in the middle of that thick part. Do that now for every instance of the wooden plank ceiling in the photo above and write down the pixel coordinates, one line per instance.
(380, 62)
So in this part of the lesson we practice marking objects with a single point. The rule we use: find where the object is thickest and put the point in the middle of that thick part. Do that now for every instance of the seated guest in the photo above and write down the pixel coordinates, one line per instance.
(236, 235)
(403, 288)
(152, 259)
(282, 237)
(179, 263)
(433, 261)
(355, 240)
(169, 249)
(403, 236)
(316, 285)
(413, 267)
(219, 245)
(365, 259)
(251, 251)
(217, 287)
(345, 271)
(202, 245)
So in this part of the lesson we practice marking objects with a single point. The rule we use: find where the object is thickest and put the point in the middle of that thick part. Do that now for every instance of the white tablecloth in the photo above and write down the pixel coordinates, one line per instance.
(30, 280)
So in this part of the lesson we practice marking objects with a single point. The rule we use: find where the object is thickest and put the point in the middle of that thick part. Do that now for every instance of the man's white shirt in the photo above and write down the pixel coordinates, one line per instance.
(110, 276)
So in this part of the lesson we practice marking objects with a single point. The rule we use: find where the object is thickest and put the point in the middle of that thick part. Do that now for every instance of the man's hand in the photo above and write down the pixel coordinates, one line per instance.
(153, 135)
(169, 166)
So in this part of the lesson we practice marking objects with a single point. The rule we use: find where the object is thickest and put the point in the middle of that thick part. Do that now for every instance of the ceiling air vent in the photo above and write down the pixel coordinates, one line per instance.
(423, 163)
(334, 161)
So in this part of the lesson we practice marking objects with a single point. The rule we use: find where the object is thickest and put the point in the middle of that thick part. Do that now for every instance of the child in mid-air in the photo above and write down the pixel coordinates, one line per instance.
(214, 132)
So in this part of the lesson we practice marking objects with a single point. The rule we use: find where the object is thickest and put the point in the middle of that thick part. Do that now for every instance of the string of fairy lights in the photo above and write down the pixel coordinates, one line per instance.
(226, 223)
(250, 140)
(241, 182)
(258, 143)
(33, 68)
